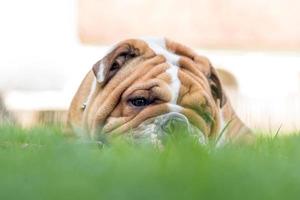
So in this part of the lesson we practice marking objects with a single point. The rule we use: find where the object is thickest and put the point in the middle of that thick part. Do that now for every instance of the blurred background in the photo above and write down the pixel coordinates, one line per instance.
(47, 47)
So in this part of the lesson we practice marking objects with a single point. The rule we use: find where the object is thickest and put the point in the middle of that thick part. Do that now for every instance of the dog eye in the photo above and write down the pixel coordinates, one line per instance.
(121, 60)
(140, 102)
(114, 66)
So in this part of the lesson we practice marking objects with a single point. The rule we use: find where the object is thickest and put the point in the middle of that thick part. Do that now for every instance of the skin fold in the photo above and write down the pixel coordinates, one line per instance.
(141, 86)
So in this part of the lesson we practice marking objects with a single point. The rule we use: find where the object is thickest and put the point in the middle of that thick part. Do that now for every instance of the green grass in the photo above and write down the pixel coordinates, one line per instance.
(43, 164)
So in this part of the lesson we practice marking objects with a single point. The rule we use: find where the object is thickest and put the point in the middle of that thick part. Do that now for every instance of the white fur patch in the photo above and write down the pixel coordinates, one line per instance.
(151, 130)
(175, 84)
(93, 88)
(100, 74)
(174, 107)
(158, 45)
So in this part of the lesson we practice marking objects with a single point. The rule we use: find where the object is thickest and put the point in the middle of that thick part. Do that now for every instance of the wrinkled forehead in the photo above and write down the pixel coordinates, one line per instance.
(172, 51)
(148, 46)
(160, 46)
(175, 54)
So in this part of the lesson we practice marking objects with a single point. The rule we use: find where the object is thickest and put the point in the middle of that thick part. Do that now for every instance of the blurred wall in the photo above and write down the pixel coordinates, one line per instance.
(246, 24)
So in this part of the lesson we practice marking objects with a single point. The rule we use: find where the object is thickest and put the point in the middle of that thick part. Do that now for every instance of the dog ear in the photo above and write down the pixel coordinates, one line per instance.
(216, 87)
(108, 67)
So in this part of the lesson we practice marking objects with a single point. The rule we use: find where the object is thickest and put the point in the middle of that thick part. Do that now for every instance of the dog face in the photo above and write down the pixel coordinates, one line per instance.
(145, 86)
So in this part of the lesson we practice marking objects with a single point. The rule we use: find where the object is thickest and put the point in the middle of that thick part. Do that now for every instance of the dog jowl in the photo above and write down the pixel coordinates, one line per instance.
(150, 88)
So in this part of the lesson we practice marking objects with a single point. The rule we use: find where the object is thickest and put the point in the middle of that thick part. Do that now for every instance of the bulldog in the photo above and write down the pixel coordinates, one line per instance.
(150, 88)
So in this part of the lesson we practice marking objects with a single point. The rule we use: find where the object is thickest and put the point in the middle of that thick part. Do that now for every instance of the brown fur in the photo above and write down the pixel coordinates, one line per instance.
(201, 95)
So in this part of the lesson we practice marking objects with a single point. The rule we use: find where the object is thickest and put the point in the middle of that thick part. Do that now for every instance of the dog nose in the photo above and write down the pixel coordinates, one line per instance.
(175, 123)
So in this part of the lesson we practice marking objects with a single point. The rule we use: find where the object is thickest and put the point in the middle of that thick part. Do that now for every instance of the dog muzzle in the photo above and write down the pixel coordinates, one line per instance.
(161, 129)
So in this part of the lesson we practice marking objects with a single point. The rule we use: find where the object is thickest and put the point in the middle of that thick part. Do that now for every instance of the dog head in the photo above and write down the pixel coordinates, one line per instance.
(146, 86)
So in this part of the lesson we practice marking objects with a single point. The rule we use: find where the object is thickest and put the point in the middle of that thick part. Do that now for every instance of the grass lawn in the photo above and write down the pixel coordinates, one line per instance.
(42, 164)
